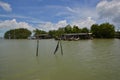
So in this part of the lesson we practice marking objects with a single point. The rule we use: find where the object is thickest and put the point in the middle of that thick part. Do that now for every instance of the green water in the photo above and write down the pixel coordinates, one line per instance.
(97, 59)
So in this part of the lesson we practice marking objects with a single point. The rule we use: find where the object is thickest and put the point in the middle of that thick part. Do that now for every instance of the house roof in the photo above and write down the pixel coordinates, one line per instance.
(72, 34)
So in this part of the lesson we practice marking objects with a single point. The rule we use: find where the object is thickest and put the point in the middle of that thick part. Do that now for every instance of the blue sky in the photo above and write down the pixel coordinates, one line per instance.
(52, 14)
(44, 10)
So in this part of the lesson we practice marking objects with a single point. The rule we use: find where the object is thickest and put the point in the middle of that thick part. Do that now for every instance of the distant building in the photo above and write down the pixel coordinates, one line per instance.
(43, 36)
(117, 35)
(76, 36)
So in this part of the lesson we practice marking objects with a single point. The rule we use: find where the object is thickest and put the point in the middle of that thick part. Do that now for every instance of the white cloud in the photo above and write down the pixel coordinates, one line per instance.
(109, 9)
(71, 10)
(14, 16)
(13, 24)
(80, 13)
(10, 24)
(52, 26)
(84, 23)
(5, 6)
(62, 23)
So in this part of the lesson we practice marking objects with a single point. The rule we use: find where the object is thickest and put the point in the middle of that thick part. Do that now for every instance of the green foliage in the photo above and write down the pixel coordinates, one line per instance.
(57, 33)
(104, 30)
(95, 30)
(52, 33)
(107, 30)
(60, 31)
(68, 29)
(38, 32)
(76, 29)
(20, 33)
(85, 30)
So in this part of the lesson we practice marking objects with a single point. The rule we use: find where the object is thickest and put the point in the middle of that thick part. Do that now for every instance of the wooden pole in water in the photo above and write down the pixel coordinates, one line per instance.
(56, 48)
(61, 47)
(37, 47)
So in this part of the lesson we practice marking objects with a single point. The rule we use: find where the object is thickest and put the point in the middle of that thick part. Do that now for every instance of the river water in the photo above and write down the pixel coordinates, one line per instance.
(97, 59)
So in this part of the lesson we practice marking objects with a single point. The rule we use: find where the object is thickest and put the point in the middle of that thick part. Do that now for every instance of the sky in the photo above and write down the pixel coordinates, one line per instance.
(52, 14)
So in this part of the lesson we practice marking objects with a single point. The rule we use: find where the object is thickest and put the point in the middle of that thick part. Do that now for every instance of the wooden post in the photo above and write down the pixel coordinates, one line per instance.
(59, 42)
(56, 48)
(37, 47)
(61, 47)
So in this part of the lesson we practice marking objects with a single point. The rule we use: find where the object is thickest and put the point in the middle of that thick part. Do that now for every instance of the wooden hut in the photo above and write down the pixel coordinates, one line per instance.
(43, 36)
(76, 36)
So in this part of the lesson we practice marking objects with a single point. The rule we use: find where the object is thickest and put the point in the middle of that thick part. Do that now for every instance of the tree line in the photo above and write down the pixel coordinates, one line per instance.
(67, 30)
(104, 30)
(20, 33)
